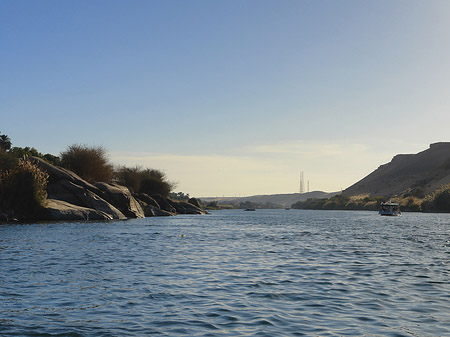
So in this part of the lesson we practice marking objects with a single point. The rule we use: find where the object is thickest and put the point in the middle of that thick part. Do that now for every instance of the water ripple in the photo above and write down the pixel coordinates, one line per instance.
(231, 273)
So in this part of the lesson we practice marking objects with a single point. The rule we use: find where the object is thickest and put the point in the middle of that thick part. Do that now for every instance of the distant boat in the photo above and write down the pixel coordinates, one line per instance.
(287, 208)
(390, 208)
(249, 209)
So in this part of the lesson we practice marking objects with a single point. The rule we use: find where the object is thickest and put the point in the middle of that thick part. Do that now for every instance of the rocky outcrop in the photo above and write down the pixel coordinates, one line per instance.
(74, 194)
(164, 204)
(61, 210)
(3, 216)
(182, 207)
(150, 210)
(72, 198)
(68, 187)
(121, 197)
(195, 202)
(147, 199)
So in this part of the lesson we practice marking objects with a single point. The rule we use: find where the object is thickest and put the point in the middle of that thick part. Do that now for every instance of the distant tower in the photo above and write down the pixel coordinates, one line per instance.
(308, 187)
(302, 183)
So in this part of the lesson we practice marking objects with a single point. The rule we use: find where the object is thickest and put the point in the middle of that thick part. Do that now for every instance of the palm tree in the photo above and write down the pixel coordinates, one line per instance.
(5, 142)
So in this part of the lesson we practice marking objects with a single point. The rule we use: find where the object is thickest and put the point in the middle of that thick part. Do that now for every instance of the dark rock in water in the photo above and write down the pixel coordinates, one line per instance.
(150, 210)
(185, 207)
(147, 199)
(121, 197)
(190, 208)
(195, 202)
(3, 216)
(61, 210)
(160, 212)
(179, 208)
(164, 204)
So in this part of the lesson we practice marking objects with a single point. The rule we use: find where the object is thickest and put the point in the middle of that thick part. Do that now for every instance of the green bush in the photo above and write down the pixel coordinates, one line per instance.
(23, 188)
(149, 181)
(90, 163)
(22, 152)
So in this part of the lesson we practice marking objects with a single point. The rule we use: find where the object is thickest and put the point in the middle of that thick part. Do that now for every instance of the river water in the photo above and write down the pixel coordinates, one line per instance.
(229, 273)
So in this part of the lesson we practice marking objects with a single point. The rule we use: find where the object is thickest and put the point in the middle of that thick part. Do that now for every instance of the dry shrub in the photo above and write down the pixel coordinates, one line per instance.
(23, 188)
(90, 163)
(149, 181)
(438, 201)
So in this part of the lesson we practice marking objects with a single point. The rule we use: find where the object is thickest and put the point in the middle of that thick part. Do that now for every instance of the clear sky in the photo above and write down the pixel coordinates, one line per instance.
(230, 97)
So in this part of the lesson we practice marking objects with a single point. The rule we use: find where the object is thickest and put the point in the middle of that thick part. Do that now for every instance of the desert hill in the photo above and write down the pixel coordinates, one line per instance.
(423, 172)
(285, 200)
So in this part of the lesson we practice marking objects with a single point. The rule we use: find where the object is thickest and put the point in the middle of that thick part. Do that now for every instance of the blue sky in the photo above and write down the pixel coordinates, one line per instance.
(229, 97)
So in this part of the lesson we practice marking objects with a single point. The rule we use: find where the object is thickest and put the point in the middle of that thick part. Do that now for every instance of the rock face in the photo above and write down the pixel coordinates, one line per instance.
(70, 197)
(427, 170)
(61, 210)
(185, 208)
(68, 187)
(122, 198)
(195, 202)
(3, 216)
(74, 194)
(164, 204)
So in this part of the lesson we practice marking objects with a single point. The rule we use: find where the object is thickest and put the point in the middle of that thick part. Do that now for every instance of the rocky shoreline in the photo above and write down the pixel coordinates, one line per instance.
(69, 197)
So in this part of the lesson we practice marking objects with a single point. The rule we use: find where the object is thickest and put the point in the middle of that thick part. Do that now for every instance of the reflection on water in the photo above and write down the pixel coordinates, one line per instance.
(231, 273)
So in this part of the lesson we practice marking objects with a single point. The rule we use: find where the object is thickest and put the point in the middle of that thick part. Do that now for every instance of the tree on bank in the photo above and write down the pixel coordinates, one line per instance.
(90, 163)
(5, 142)
(148, 181)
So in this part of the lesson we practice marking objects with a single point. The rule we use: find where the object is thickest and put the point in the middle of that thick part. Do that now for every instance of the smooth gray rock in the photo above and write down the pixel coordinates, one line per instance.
(65, 185)
(147, 199)
(72, 193)
(195, 202)
(164, 204)
(150, 210)
(120, 196)
(57, 173)
(185, 207)
(62, 211)
(190, 208)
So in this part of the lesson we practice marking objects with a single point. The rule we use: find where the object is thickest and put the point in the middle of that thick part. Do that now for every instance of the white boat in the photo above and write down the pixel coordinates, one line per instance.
(390, 208)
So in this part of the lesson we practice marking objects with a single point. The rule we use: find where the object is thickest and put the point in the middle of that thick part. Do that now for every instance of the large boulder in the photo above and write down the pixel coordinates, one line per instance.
(3, 216)
(195, 202)
(147, 199)
(57, 173)
(61, 211)
(191, 209)
(164, 204)
(185, 207)
(150, 210)
(121, 197)
(65, 185)
(72, 193)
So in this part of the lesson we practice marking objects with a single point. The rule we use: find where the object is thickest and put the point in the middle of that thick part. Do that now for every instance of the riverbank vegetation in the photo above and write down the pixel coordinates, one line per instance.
(23, 189)
(143, 180)
(410, 201)
(23, 184)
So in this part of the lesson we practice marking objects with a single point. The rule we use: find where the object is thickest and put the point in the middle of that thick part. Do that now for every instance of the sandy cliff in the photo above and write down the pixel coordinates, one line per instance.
(427, 171)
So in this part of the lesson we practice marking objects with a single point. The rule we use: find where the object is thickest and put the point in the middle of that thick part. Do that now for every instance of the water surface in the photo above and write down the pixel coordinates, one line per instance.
(230, 273)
